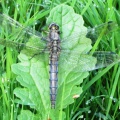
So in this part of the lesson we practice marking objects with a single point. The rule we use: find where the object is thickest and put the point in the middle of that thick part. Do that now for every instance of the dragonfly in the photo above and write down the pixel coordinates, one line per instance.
(57, 49)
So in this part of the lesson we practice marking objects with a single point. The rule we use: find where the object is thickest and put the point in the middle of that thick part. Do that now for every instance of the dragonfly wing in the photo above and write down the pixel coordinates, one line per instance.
(105, 58)
(76, 62)
(92, 33)
(12, 30)
(26, 49)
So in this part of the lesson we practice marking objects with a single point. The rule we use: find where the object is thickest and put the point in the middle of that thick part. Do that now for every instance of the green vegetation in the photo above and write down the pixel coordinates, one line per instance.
(25, 85)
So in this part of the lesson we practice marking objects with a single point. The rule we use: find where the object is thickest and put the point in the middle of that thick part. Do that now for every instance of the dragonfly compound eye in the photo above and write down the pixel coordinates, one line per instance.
(53, 26)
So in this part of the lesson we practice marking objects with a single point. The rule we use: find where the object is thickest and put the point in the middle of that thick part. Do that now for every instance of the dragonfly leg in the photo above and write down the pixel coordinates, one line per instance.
(45, 39)
(38, 53)
(34, 55)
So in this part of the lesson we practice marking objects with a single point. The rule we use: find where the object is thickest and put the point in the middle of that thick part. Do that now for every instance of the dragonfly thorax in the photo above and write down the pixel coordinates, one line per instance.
(54, 32)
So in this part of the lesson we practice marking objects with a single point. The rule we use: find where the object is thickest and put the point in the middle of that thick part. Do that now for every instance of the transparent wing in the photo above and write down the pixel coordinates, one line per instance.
(28, 49)
(76, 57)
(11, 30)
(92, 33)
(76, 62)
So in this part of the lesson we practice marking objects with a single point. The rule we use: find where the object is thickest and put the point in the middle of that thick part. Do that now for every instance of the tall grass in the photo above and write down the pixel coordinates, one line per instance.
(100, 97)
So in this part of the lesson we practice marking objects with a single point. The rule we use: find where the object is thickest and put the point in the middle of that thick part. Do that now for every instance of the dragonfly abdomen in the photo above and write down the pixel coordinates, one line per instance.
(53, 78)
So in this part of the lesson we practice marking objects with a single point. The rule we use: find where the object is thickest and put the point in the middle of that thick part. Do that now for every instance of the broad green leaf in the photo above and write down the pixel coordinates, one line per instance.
(28, 115)
(33, 75)
(71, 24)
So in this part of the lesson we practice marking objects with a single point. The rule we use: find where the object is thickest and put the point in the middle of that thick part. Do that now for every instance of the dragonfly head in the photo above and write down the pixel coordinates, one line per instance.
(53, 26)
